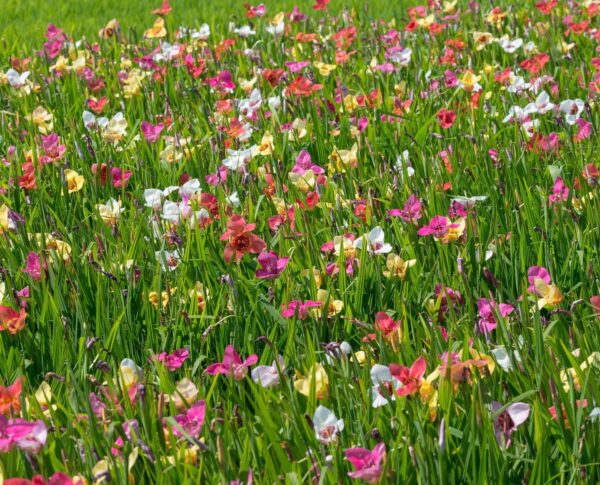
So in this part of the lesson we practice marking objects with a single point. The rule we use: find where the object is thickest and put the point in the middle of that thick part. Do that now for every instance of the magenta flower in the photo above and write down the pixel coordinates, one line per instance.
(411, 211)
(26, 435)
(120, 177)
(299, 306)
(33, 266)
(438, 227)
(537, 272)
(272, 265)
(232, 364)
(508, 421)
(368, 464)
(487, 307)
(560, 192)
(191, 421)
(175, 360)
(304, 163)
(151, 132)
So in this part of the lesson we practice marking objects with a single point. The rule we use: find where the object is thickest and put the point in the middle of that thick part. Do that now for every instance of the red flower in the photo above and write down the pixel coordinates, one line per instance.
(240, 239)
(446, 118)
(410, 378)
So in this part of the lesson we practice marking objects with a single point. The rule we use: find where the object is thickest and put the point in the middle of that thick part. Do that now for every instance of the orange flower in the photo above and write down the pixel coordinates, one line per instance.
(11, 320)
(10, 398)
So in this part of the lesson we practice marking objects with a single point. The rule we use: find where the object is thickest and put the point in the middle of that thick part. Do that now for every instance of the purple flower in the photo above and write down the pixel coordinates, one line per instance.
(487, 307)
(191, 421)
(304, 163)
(301, 307)
(175, 360)
(560, 192)
(508, 420)
(272, 265)
(368, 464)
(535, 273)
(438, 227)
(26, 435)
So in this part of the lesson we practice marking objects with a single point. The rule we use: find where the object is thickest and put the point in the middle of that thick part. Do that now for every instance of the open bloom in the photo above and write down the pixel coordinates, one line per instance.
(74, 181)
(300, 308)
(268, 375)
(316, 380)
(151, 132)
(443, 229)
(572, 108)
(27, 435)
(232, 364)
(191, 420)
(411, 378)
(487, 320)
(549, 295)
(326, 425)
(10, 398)
(375, 242)
(240, 239)
(507, 422)
(12, 320)
(175, 360)
(411, 212)
(397, 267)
(384, 387)
(272, 265)
(446, 118)
(368, 463)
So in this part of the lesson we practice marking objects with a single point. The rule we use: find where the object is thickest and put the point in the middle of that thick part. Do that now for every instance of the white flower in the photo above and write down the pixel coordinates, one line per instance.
(529, 47)
(572, 108)
(111, 211)
(510, 46)
(542, 104)
(402, 160)
(376, 243)
(190, 188)
(276, 29)
(153, 198)
(169, 260)
(515, 112)
(384, 385)
(15, 79)
(517, 85)
(274, 102)
(268, 375)
(239, 158)
(401, 57)
(245, 31)
(247, 107)
(530, 127)
(327, 426)
(233, 200)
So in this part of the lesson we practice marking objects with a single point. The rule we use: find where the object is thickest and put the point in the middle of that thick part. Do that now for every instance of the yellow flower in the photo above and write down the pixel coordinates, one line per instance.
(165, 297)
(333, 306)
(470, 82)
(324, 69)
(550, 295)
(42, 119)
(185, 392)
(74, 181)
(303, 182)
(341, 159)
(455, 231)
(116, 129)
(266, 145)
(132, 86)
(61, 248)
(592, 360)
(110, 212)
(397, 267)
(170, 154)
(495, 16)
(476, 355)
(316, 274)
(482, 39)
(449, 6)
(316, 379)
(247, 84)
(109, 30)
(425, 22)
(5, 222)
(342, 243)
(157, 31)
(298, 130)
(350, 103)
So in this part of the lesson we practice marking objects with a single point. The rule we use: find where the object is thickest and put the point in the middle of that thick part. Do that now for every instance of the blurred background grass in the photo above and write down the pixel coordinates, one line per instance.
(23, 22)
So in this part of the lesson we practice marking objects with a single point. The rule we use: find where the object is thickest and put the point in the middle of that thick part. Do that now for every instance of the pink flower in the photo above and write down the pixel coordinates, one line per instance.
(585, 129)
(438, 227)
(232, 364)
(446, 118)
(411, 211)
(486, 307)
(175, 360)
(26, 435)
(368, 464)
(537, 272)
(120, 177)
(560, 192)
(33, 266)
(190, 421)
(298, 306)
(151, 132)
(304, 163)
(240, 239)
(272, 265)
(508, 420)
